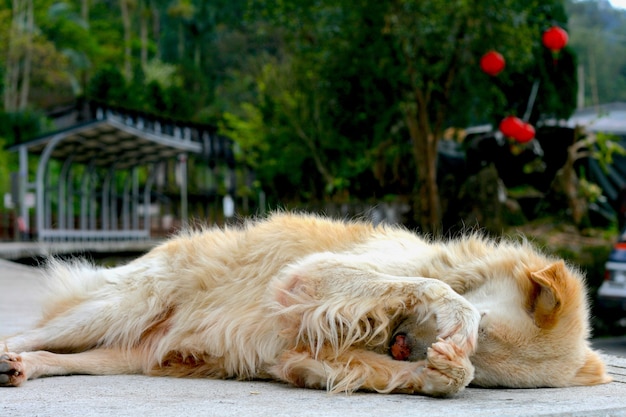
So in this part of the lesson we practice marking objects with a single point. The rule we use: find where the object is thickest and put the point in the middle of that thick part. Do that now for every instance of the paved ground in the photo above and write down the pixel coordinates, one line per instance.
(88, 396)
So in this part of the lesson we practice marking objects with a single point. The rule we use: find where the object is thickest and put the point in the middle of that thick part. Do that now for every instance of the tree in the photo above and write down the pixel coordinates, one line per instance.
(330, 100)
(324, 97)
(598, 32)
(126, 7)
(439, 44)
(385, 70)
(69, 32)
(19, 56)
(45, 51)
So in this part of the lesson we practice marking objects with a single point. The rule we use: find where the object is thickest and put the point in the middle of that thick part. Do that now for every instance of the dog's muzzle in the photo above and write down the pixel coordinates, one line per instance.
(412, 338)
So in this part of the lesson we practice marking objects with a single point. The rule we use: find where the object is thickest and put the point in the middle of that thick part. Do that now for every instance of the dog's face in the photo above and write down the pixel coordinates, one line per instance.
(533, 331)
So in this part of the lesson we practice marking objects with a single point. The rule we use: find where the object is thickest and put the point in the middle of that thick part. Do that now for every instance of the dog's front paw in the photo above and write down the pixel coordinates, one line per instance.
(458, 323)
(448, 369)
(11, 370)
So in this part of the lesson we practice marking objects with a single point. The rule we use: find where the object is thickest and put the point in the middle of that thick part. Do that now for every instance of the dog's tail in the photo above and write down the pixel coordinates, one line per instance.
(93, 305)
(67, 283)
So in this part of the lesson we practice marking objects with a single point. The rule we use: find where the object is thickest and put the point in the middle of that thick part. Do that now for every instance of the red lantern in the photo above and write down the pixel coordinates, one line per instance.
(511, 126)
(492, 63)
(525, 134)
(555, 38)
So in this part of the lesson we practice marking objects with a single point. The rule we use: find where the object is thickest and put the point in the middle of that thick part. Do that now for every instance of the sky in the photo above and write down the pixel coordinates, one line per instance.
(618, 3)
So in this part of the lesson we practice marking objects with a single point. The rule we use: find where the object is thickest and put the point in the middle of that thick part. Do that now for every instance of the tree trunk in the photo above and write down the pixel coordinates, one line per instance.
(181, 40)
(156, 30)
(144, 16)
(19, 56)
(124, 8)
(425, 136)
(28, 54)
(569, 184)
(14, 51)
(84, 11)
(12, 60)
(424, 146)
(84, 15)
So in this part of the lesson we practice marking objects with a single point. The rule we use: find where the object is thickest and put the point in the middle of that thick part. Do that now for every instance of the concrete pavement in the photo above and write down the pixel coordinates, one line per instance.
(136, 395)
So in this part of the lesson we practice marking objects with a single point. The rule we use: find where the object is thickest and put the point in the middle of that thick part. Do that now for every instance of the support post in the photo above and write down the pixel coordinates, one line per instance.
(23, 185)
(184, 208)
(146, 197)
(64, 200)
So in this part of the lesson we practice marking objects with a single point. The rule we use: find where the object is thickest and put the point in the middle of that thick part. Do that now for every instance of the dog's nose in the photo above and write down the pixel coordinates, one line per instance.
(399, 347)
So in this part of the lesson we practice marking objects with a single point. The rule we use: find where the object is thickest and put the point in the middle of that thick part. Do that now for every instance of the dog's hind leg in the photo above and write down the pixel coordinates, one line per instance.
(16, 368)
(76, 330)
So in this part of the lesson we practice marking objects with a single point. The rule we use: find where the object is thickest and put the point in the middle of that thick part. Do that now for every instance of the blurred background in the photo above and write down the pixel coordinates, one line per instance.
(128, 119)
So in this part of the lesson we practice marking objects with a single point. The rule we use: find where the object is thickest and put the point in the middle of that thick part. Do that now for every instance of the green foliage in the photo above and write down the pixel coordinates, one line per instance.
(108, 85)
(70, 33)
(153, 94)
(19, 126)
(597, 36)
(249, 134)
(162, 73)
(7, 165)
(441, 58)
(606, 147)
(374, 65)
(14, 128)
(318, 95)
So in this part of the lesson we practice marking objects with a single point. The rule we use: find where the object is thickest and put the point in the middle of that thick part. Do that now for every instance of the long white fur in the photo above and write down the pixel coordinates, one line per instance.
(302, 295)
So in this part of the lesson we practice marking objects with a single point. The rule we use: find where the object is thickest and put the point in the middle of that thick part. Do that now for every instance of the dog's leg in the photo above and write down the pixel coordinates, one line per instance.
(342, 301)
(445, 372)
(78, 329)
(17, 368)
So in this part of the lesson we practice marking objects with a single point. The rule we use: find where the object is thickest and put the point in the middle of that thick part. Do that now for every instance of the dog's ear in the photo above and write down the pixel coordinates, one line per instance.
(592, 372)
(545, 299)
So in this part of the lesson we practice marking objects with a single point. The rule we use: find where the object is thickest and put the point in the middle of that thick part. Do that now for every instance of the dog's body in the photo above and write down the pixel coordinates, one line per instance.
(318, 303)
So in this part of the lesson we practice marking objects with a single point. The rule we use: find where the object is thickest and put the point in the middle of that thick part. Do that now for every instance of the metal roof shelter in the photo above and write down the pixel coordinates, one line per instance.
(96, 175)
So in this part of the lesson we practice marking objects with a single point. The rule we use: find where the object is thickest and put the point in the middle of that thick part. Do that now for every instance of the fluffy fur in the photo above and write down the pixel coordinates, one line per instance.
(317, 303)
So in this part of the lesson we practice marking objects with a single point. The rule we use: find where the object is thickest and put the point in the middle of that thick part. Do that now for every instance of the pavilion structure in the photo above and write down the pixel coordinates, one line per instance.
(94, 178)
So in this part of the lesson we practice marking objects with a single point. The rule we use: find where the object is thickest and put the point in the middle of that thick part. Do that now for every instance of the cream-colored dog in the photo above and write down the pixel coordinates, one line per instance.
(318, 303)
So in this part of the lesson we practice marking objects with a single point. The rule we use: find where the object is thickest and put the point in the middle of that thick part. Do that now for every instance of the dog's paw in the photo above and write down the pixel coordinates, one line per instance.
(448, 369)
(11, 370)
(458, 323)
